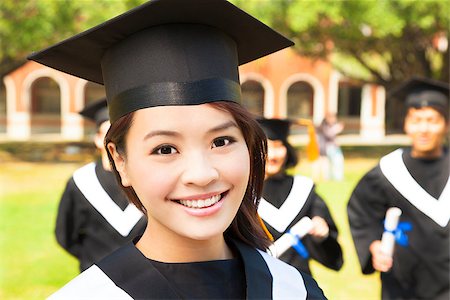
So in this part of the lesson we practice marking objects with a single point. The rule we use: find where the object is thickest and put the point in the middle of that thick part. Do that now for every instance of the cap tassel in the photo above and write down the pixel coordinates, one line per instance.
(269, 235)
(312, 149)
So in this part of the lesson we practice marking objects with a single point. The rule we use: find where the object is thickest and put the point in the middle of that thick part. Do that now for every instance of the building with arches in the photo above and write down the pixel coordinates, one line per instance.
(39, 103)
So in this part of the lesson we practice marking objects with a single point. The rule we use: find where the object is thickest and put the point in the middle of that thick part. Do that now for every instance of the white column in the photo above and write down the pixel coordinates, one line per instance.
(333, 92)
(72, 126)
(372, 126)
(17, 124)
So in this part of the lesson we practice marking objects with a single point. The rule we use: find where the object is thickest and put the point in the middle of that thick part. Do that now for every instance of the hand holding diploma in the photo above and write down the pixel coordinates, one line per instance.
(390, 226)
(380, 261)
(383, 250)
(320, 229)
(291, 238)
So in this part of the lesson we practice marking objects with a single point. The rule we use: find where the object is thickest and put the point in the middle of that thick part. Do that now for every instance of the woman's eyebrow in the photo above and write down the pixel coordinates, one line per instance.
(223, 126)
(220, 127)
(160, 132)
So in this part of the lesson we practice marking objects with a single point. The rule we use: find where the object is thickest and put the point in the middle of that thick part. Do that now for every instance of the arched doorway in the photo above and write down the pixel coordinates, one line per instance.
(253, 97)
(300, 100)
(92, 92)
(45, 106)
(300, 104)
(2, 107)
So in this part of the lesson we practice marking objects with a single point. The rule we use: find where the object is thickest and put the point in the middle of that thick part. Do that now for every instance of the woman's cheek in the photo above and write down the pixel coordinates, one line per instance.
(146, 176)
(239, 166)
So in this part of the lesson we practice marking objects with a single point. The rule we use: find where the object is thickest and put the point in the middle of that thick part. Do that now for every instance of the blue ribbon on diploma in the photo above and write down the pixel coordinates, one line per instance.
(299, 247)
(400, 233)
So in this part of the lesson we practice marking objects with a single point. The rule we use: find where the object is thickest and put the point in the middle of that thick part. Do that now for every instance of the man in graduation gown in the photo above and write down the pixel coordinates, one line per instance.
(287, 199)
(94, 216)
(416, 180)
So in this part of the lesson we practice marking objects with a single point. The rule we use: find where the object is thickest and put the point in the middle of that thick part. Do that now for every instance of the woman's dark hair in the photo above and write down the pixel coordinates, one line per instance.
(246, 225)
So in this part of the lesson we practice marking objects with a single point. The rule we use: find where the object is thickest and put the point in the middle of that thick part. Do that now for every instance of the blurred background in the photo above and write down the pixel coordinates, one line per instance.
(348, 56)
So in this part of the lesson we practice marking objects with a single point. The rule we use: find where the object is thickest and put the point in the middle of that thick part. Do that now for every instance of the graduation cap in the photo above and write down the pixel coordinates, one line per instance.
(96, 111)
(420, 92)
(275, 129)
(166, 52)
(279, 129)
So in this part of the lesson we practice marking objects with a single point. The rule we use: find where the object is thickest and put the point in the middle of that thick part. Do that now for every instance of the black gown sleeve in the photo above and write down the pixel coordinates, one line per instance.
(328, 252)
(69, 220)
(366, 211)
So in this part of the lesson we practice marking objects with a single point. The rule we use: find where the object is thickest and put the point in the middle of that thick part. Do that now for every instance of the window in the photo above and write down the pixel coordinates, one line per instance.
(300, 100)
(349, 100)
(253, 97)
(349, 105)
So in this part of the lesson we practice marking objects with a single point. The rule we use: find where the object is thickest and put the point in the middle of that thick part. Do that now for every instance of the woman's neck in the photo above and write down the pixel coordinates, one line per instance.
(167, 246)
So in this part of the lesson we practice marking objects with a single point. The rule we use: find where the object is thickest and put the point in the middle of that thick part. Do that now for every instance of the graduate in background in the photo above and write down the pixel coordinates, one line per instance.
(94, 215)
(185, 151)
(416, 180)
(287, 199)
(332, 164)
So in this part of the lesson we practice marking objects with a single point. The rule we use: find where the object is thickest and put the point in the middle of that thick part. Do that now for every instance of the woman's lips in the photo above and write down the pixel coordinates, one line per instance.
(201, 203)
(203, 207)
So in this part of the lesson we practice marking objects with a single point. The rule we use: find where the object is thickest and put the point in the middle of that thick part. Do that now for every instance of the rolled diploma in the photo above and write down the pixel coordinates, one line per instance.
(287, 240)
(391, 222)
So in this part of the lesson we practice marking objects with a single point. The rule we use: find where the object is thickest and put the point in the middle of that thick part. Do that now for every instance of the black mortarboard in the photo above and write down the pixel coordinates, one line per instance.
(96, 111)
(420, 92)
(166, 52)
(275, 129)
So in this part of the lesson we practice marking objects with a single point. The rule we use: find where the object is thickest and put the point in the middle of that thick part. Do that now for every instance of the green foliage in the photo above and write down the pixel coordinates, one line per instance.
(30, 25)
(384, 41)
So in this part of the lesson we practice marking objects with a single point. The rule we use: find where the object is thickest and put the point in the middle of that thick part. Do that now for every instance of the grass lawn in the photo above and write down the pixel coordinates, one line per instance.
(32, 265)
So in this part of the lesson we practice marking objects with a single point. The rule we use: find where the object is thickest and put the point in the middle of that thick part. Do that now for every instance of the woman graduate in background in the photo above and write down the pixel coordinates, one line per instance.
(287, 199)
(94, 215)
(186, 154)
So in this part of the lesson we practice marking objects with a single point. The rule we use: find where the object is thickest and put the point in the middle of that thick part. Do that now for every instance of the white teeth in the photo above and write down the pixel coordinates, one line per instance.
(202, 202)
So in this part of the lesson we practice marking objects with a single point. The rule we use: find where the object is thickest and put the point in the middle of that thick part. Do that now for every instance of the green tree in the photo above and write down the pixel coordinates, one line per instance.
(29, 25)
(382, 41)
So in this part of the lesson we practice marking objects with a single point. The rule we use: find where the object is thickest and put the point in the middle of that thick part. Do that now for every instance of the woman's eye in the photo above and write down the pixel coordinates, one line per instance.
(164, 150)
(222, 141)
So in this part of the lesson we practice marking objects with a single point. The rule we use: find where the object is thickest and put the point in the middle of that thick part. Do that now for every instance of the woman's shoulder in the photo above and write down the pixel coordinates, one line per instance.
(289, 282)
(93, 283)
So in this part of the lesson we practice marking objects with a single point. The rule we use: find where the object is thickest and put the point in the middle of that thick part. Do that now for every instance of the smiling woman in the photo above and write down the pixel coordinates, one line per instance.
(203, 171)
(186, 153)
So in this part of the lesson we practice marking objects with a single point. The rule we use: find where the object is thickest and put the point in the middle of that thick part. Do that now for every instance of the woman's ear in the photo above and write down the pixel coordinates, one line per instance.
(119, 162)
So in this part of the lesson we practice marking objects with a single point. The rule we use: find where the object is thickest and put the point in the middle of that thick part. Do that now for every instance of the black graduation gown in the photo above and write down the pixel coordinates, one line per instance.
(128, 274)
(289, 200)
(94, 216)
(420, 270)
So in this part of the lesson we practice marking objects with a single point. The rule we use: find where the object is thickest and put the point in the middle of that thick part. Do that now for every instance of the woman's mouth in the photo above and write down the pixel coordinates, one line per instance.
(201, 203)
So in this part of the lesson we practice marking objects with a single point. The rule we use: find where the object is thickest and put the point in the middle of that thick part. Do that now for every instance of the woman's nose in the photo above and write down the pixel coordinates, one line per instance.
(199, 170)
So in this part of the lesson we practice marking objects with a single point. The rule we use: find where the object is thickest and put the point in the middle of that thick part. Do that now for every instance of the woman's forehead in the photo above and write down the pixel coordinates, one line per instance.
(201, 117)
